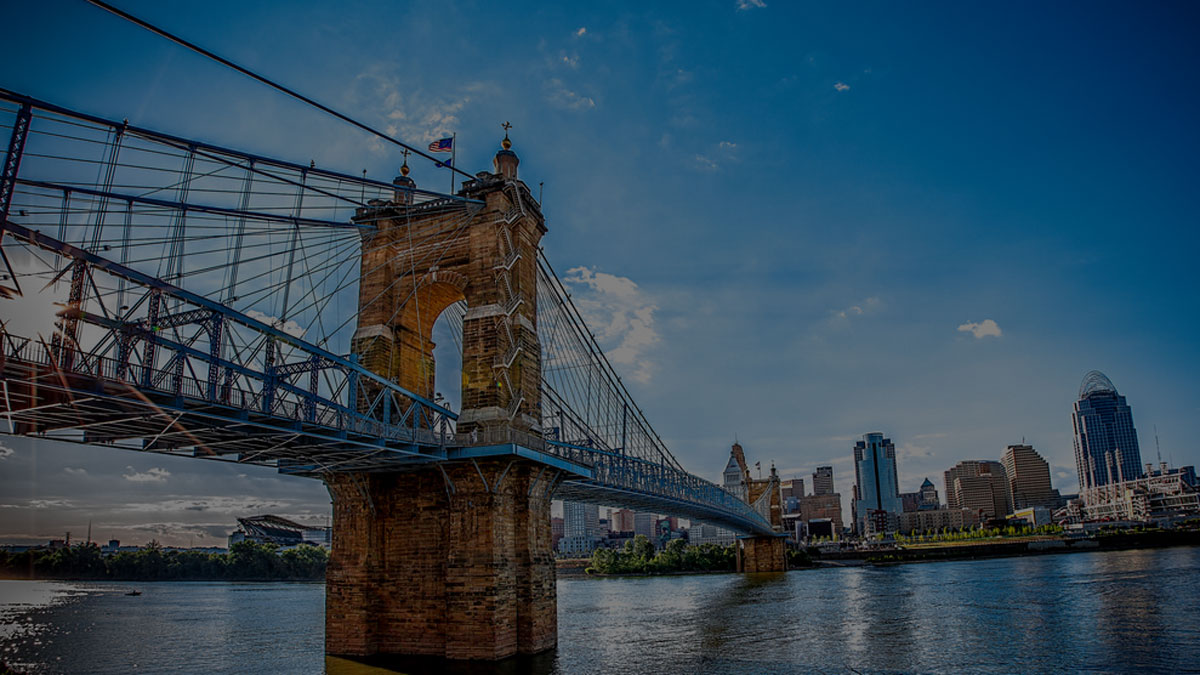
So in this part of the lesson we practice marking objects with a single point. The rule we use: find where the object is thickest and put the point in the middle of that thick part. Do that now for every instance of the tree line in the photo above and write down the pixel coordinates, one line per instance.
(246, 560)
(638, 557)
(946, 534)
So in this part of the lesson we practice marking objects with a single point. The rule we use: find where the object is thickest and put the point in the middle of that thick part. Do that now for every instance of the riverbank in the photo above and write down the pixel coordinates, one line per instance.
(1025, 546)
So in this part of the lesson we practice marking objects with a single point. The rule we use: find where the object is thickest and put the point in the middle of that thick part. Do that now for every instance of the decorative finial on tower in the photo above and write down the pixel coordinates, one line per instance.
(403, 192)
(506, 160)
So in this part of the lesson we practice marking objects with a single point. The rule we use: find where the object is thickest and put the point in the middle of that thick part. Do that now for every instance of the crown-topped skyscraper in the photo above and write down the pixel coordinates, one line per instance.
(1106, 444)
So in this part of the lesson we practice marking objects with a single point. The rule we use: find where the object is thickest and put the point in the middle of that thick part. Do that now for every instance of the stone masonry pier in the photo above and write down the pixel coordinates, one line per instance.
(455, 564)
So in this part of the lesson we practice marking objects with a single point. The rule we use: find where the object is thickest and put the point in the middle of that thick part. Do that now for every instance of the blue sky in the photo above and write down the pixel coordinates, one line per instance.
(782, 220)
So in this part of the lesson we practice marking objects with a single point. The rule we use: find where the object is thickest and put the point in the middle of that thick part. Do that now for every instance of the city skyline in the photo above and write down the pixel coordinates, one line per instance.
(883, 234)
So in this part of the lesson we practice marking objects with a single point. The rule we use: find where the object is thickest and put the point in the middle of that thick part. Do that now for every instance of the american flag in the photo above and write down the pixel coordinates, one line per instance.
(444, 145)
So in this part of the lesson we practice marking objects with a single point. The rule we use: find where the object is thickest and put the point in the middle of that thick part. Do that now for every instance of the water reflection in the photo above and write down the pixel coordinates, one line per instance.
(1069, 612)
(540, 664)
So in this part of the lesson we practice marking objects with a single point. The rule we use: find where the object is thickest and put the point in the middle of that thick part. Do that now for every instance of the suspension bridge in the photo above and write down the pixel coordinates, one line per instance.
(166, 295)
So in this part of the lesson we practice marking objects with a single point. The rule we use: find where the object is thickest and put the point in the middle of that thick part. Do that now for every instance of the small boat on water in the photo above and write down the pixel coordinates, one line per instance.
(134, 593)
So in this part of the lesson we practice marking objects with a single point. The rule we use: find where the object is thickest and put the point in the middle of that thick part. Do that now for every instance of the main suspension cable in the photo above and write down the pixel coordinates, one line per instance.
(274, 85)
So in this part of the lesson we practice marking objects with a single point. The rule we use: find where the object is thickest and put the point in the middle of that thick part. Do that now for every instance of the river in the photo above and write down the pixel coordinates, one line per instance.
(1098, 612)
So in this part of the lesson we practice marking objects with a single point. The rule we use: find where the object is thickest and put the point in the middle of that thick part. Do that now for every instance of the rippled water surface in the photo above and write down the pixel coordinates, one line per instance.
(1099, 612)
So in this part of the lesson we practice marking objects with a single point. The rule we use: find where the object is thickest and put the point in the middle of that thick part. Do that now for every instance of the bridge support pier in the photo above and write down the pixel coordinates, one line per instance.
(761, 554)
(455, 564)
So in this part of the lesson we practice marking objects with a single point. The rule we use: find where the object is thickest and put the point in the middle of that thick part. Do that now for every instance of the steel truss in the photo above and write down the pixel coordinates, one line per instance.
(206, 315)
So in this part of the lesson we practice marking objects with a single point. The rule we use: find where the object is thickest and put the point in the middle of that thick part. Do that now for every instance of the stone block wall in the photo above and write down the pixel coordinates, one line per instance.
(762, 554)
(458, 566)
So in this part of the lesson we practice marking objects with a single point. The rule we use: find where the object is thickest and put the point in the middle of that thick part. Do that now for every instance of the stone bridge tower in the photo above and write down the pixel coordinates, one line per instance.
(422, 258)
(453, 559)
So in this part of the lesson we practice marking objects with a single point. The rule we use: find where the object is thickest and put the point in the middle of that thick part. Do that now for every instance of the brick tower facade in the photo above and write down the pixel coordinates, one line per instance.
(452, 560)
(422, 258)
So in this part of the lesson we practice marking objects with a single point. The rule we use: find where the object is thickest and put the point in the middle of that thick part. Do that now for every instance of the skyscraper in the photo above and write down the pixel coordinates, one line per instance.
(823, 480)
(1106, 444)
(1028, 478)
(876, 491)
(979, 485)
(929, 497)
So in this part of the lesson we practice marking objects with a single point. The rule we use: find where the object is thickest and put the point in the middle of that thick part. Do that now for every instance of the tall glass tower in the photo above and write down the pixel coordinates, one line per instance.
(1106, 444)
(876, 503)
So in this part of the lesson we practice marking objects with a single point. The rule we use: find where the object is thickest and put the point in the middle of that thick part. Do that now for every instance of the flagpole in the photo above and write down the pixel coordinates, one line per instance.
(453, 158)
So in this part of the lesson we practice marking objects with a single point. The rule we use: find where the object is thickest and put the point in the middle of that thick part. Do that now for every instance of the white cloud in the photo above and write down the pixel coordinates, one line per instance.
(559, 95)
(841, 86)
(40, 504)
(620, 315)
(985, 328)
(5, 451)
(913, 451)
(728, 146)
(152, 475)
(581, 32)
(866, 306)
(570, 60)
(214, 504)
(744, 5)
(70, 471)
(409, 113)
(290, 327)
(705, 163)
(679, 78)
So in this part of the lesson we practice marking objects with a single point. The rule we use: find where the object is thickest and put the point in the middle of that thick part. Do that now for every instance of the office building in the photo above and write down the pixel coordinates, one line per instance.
(622, 520)
(933, 521)
(822, 507)
(1028, 478)
(876, 502)
(1106, 444)
(581, 524)
(822, 480)
(643, 524)
(979, 485)
(929, 497)
(793, 487)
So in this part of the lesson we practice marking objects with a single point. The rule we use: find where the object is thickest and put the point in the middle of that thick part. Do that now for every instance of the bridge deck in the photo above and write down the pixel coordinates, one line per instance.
(89, 404)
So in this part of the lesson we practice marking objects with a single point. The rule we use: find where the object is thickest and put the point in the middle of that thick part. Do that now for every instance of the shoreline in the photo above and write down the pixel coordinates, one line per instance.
(1000, 549)
(985, 550)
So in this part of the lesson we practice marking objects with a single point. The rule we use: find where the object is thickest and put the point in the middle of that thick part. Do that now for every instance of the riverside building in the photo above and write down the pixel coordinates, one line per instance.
(581, 525)
(1027, 478)
(937, 520)
(876, 503)
(1106, 444)
(1159, 497)
(978, 485)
